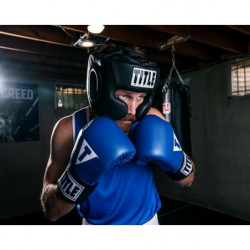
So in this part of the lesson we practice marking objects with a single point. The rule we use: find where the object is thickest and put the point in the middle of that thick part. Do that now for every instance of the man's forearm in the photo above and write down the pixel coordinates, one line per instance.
(53, 206)
(188, 181)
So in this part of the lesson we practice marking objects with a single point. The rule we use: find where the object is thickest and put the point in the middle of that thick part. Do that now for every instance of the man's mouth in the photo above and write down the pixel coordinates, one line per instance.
(127, 121)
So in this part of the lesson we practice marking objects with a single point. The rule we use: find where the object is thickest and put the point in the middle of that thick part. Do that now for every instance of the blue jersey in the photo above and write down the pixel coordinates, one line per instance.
(125, 195)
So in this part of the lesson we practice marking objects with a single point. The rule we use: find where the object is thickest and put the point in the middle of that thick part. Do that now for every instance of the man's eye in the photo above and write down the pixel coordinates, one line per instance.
(122, 96)
(141, 97)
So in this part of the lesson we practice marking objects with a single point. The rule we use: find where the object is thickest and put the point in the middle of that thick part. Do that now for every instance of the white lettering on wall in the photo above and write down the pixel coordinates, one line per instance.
(17, 94)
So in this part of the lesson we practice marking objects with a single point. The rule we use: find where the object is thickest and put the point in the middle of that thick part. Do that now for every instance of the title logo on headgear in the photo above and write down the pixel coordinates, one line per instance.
(143, 78)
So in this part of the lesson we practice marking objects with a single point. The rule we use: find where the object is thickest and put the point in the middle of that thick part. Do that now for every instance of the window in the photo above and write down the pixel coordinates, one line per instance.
(240, 78)
(70, 98)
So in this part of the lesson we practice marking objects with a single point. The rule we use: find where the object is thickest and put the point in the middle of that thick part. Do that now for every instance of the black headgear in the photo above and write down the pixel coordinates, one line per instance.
(119, 68)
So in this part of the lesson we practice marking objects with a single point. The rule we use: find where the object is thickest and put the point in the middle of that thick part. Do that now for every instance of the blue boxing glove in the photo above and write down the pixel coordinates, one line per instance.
(156, 142)
(100, 146)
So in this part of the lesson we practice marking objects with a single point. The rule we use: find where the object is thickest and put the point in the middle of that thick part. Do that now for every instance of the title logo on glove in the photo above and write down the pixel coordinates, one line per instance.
(143, 78)
(176, 144)
(86, 153)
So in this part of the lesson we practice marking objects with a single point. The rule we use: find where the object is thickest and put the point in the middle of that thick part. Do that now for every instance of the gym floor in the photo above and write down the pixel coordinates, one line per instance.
(173, 212)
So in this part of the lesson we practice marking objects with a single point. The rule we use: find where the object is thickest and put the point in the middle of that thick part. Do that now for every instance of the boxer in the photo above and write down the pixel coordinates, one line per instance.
(102, 157)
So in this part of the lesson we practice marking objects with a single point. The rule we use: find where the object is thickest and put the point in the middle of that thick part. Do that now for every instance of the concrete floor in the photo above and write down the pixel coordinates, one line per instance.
(173, 212)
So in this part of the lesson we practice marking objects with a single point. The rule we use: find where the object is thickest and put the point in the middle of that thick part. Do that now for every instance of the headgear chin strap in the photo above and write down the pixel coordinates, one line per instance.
(120, 68)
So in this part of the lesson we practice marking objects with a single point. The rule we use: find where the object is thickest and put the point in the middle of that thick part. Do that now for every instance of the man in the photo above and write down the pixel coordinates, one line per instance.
(93, 164)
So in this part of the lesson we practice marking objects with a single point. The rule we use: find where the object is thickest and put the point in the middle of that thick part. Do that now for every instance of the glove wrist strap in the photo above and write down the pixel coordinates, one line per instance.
(185, 170)
(73, 189)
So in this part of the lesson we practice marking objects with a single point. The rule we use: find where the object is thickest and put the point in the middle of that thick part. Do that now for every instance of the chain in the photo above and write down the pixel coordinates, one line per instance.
(167, 83)
(173, 58)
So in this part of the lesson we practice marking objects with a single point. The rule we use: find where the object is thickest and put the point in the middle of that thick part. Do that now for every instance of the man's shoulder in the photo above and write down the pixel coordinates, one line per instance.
(154, 111)
(67, 121)
(64, 125)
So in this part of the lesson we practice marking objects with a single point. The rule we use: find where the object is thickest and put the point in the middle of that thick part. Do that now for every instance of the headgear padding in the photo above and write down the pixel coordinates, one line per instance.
(119, 68)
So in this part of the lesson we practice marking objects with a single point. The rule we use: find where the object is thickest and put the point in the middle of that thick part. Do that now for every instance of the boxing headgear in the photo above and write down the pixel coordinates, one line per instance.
(119, 68)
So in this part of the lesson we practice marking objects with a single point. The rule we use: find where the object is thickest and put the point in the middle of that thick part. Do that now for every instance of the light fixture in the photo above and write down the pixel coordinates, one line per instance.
(96, 29)
(82, 42)
(86, 43)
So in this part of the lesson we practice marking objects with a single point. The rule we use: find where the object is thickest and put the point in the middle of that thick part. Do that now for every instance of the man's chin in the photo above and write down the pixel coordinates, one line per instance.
(124, 126)
(126, 123)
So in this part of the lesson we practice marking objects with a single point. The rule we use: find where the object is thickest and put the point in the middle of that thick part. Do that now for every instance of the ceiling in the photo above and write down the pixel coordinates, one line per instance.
(48, 52)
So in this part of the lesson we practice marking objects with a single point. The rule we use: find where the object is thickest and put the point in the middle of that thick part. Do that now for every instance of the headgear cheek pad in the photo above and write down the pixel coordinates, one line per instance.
(120, 68)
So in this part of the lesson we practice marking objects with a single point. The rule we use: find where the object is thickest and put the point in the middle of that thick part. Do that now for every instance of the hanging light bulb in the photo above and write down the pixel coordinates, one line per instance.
(87, 43)
(82, 42)
(96, 29)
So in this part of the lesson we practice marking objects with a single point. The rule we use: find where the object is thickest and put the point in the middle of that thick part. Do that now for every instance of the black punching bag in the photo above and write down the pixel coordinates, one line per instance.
(177, 112)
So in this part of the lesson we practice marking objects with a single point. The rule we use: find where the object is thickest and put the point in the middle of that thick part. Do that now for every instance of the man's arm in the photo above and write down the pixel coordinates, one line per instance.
(187, 182)
(60, 149)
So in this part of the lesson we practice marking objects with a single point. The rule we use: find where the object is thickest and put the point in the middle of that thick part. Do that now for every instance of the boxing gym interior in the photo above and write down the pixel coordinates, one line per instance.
(204, 91)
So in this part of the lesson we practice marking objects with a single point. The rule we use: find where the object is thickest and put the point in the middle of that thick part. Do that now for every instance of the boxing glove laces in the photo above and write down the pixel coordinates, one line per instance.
(100, 146)
(155, 142)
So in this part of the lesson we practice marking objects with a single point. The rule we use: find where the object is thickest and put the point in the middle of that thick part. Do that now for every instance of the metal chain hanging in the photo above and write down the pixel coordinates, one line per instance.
(167, 83)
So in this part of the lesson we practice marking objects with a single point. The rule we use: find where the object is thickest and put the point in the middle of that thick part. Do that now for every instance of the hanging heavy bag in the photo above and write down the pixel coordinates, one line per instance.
(177, 113)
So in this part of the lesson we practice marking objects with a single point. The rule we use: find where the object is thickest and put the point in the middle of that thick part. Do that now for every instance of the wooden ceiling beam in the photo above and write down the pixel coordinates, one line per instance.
(245, 29)
(179, 30)
(130, 34)
(165, 57)
(196, 50)
(135, 35)
(142, 36)
(42, 48)
(214, 36)
(41, 33)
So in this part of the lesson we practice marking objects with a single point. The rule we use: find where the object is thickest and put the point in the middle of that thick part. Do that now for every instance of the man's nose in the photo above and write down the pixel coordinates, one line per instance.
(132, 106)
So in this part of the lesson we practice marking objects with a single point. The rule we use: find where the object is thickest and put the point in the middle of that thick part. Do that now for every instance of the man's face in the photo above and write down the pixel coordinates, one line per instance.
(133, 100)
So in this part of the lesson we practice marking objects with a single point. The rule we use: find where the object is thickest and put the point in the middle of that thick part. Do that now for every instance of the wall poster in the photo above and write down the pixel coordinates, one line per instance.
(19, 113)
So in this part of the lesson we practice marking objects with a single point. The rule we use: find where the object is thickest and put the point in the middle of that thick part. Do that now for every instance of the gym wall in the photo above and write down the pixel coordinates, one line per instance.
(23, 163)
(220, 135)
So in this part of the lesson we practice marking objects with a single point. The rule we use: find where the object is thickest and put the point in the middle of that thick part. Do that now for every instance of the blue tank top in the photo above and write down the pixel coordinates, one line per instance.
(124, 196)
